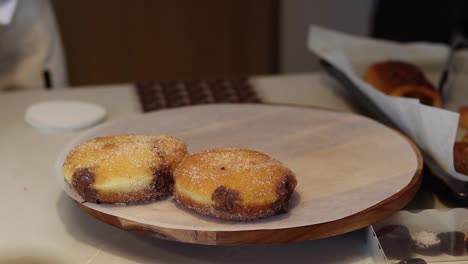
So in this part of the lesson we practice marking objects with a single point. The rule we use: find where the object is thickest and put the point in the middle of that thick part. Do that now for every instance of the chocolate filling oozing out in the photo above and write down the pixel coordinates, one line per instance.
(226, 200)
(163, 179)
(284, 190)
(163, 182)
(82, 182)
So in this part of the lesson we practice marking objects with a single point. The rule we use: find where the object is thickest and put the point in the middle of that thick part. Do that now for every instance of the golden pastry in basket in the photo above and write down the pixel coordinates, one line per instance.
(425, 95)
(388, 75)
(463, 122)
(460, 157)
(124, 168)
(233, 184)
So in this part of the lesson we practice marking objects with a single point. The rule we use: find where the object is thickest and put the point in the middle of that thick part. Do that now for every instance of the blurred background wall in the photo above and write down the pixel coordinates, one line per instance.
(121, 40)
(296, 16)
(114, 41)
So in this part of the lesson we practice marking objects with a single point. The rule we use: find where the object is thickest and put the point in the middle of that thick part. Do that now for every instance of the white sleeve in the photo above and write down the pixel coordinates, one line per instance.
(7, 9)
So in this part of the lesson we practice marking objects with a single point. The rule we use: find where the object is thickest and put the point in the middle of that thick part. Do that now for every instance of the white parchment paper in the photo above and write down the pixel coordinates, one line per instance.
(344, 163)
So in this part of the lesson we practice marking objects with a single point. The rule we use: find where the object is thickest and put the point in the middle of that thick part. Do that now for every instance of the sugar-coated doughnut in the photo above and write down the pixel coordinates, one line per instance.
(233, 184)
(124, 168)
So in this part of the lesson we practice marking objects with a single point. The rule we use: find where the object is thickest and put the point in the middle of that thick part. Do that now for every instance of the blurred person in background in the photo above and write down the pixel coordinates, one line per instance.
(420, 20)
(31, 53)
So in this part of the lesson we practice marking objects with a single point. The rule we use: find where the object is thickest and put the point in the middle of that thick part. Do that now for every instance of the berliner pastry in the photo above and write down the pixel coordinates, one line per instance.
(233, 184)
(425, 94)
(124, 168)
(389, 75)
(460, 157)
(463, 122)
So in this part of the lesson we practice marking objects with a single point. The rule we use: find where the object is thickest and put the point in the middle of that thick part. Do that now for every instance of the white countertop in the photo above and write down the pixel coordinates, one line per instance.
(40, 224)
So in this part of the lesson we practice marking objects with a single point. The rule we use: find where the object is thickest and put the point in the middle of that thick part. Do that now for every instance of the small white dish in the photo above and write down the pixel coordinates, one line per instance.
(63, 115)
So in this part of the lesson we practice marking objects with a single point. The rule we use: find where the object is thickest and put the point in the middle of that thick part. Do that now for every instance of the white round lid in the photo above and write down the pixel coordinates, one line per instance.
(62, 115)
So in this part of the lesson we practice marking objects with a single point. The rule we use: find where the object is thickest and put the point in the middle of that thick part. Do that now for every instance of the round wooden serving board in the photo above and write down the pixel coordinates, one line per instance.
(351, 172)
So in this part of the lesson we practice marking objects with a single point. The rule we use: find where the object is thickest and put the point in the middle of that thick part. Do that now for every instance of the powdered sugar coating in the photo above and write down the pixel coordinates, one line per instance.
(425, 239)
(125, 164)
(259, 180)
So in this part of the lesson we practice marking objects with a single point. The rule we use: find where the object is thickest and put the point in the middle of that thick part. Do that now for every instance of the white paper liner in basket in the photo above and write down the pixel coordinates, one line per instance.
(433, 129)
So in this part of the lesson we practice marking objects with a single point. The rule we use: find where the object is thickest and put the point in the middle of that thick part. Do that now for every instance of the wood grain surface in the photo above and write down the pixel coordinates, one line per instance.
(120, 41)
(376, 166)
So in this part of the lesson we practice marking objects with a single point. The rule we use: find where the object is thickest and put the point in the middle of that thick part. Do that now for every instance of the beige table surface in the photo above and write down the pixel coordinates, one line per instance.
(39, 223)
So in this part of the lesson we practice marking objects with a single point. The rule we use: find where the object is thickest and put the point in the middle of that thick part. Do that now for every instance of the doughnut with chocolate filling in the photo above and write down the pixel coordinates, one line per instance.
(124, 168)
(233, 184)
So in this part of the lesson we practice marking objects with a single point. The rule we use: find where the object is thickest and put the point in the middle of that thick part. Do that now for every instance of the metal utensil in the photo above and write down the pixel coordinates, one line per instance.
(458, 42)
